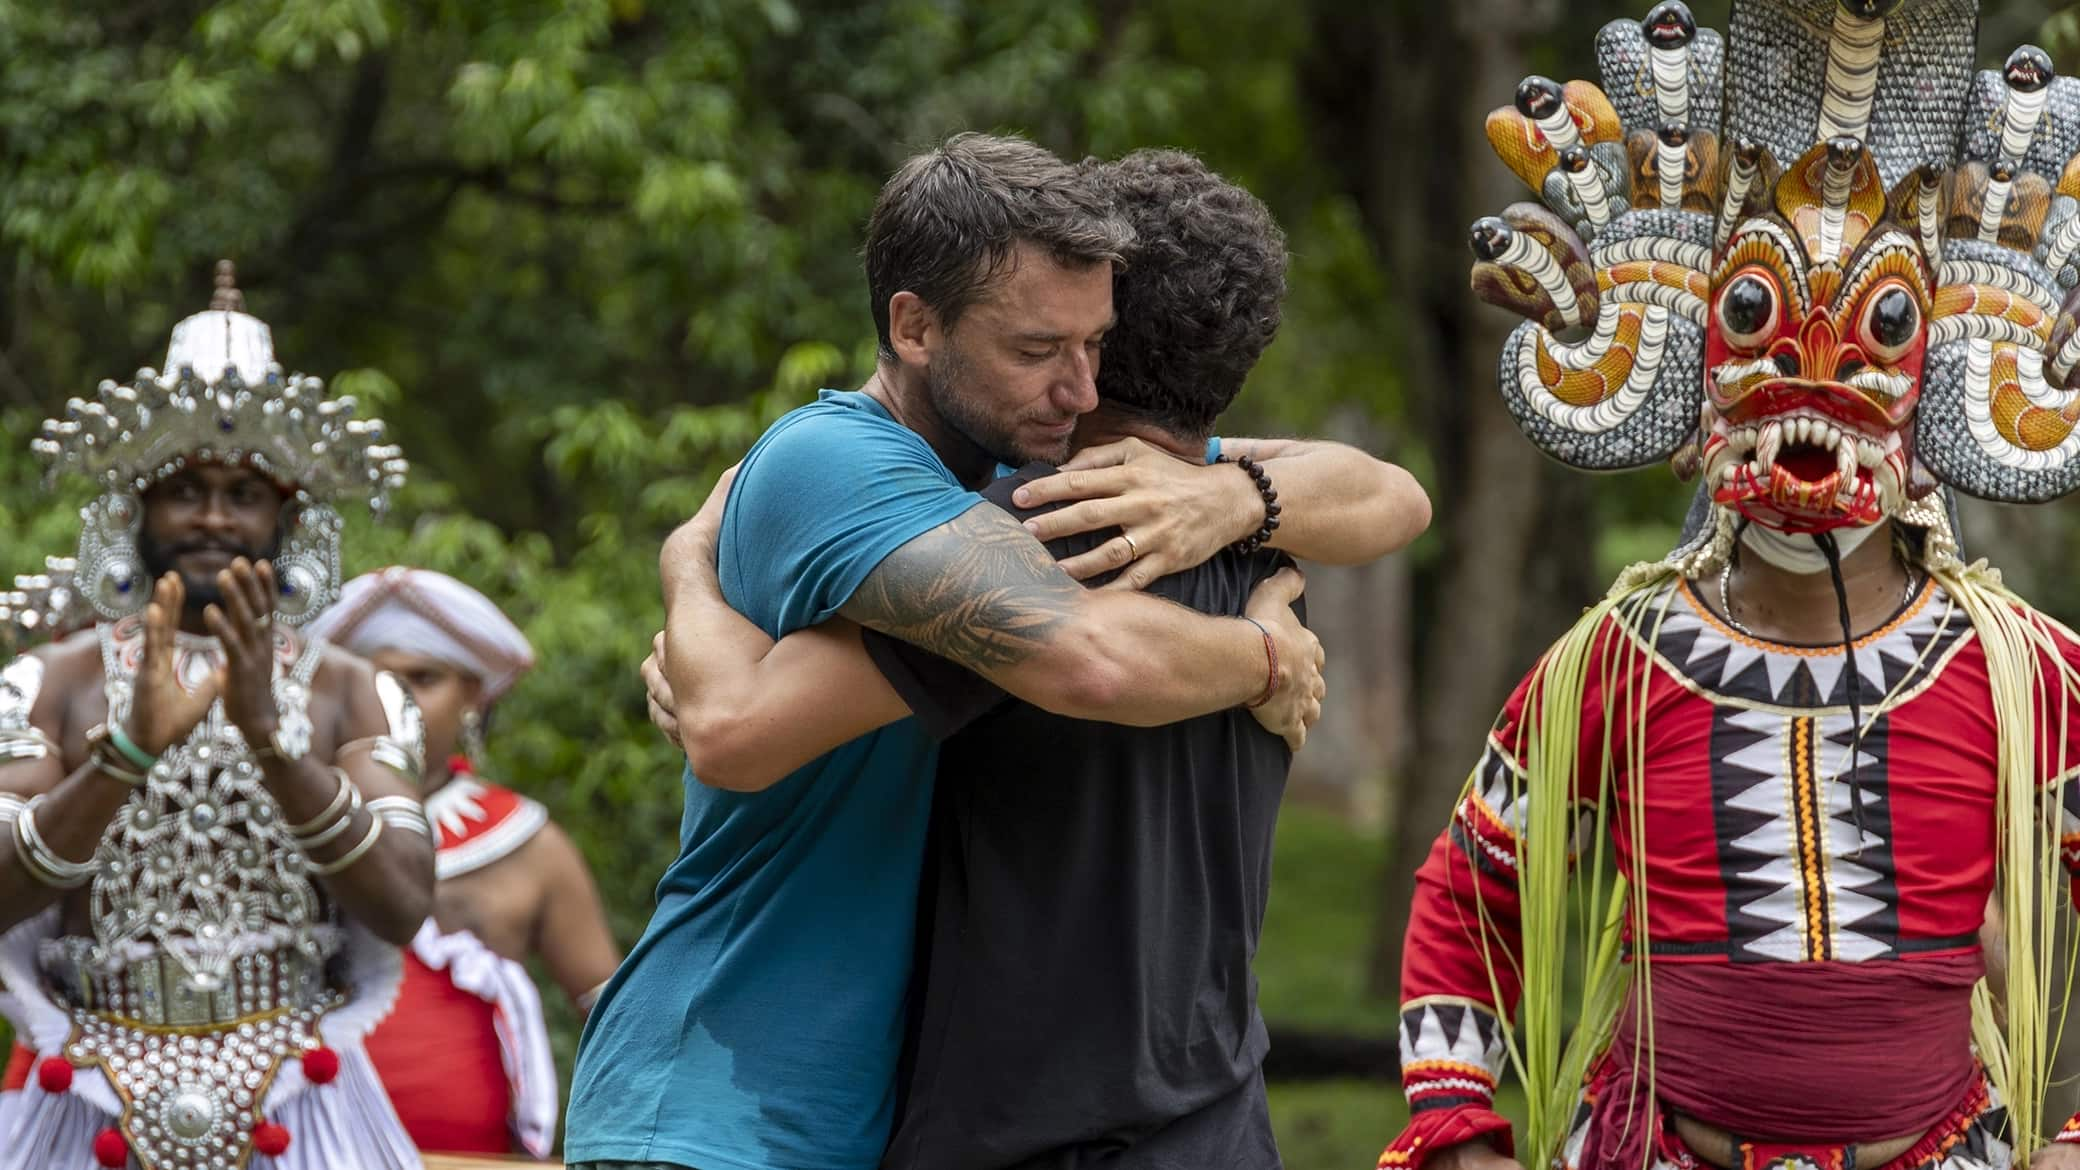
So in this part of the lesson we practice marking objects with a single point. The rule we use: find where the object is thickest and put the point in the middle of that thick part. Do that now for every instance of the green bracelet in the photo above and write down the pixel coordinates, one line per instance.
(131, 752)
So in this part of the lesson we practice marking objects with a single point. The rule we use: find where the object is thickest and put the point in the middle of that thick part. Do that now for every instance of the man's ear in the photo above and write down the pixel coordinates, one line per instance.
(913, 329)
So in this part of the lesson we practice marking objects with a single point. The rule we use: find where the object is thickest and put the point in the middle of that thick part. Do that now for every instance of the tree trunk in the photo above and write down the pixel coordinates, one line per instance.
(1362, 614)
(1402, 93)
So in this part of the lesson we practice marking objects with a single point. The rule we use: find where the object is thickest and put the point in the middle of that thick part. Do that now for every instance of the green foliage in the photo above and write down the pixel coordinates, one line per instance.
(579, 253)
(1312, 958)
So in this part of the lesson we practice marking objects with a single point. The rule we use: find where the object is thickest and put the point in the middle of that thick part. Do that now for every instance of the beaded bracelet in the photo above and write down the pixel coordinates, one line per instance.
(1262, 479)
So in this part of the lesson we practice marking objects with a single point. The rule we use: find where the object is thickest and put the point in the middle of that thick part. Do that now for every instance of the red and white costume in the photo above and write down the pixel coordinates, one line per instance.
(465, 1053)
(1792, 928)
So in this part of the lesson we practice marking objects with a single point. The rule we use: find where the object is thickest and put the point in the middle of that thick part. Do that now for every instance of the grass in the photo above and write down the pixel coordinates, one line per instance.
(1311, 962)
(1311, 967)
(1340, 1124)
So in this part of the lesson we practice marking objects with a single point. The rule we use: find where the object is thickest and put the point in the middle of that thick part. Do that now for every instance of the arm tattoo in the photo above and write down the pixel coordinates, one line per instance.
(978, 590)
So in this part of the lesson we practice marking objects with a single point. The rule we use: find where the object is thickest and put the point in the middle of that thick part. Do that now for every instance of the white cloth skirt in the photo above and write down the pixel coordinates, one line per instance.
(347, 1124)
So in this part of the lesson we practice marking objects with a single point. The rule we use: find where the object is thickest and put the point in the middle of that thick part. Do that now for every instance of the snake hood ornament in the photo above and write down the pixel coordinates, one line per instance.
(1818, 262)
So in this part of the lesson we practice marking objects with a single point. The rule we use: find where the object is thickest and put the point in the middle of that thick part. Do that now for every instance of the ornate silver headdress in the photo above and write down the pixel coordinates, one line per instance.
(221, 398)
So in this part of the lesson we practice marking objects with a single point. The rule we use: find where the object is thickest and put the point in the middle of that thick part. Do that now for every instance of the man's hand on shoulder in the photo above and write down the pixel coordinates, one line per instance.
(1172, 513)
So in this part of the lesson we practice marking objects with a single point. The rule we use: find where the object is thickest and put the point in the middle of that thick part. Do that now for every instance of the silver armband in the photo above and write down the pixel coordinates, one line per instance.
(43, 862)
(338, 814)
(402, 812)
(402, 748)
(360, 849)
(20, 739)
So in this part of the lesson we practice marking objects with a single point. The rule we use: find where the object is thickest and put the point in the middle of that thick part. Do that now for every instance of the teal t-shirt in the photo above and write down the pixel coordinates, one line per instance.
(756, 1024)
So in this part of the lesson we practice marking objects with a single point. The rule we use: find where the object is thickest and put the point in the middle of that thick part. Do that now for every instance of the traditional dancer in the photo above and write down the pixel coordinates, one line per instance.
(211, 842)
(465, 1054)
(1782, 770)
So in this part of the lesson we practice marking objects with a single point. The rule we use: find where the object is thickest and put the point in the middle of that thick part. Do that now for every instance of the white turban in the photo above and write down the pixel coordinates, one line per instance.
(419, 611)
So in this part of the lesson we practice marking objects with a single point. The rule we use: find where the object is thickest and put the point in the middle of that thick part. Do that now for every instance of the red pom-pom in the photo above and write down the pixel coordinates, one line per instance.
(54, 1074)
(320, 1065)
(270, 1139)
(459, 765)
(111, 1150)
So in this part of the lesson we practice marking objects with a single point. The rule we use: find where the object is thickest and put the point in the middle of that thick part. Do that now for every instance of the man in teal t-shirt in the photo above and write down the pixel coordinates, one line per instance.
(756, 1024)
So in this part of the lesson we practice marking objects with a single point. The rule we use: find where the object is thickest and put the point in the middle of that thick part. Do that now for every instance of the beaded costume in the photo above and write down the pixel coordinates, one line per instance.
(212, 1018)
(1826, 268)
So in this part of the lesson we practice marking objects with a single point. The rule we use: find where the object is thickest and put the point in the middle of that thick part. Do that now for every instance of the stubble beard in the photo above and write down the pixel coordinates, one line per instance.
(950, 387)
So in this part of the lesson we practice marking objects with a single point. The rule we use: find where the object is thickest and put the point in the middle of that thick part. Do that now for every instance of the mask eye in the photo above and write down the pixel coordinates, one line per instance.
(1748, 312)
(1890, 324)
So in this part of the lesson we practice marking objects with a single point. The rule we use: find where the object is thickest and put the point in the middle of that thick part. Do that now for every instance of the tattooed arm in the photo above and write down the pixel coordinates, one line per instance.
(980, 592)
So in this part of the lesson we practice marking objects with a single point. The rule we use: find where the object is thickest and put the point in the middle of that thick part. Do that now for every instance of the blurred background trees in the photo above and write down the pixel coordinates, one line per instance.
(579, 252)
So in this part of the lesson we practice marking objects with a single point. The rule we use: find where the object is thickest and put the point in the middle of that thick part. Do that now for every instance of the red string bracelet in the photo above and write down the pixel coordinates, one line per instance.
(1271, 671)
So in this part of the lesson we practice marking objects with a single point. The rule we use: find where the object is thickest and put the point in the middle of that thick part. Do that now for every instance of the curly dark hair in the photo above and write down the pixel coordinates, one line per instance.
(1202, 297)
(946, 223)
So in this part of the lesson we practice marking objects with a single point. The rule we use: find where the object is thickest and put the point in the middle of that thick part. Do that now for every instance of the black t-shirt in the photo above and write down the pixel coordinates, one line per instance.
(1092, 899)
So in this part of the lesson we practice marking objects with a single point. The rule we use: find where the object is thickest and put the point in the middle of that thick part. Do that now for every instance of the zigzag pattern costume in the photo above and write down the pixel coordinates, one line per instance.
(1757, 849)
(1824, 267)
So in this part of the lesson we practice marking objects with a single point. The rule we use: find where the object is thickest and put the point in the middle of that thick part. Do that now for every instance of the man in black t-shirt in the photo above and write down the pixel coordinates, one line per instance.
(1093, 893)
(1091, 904)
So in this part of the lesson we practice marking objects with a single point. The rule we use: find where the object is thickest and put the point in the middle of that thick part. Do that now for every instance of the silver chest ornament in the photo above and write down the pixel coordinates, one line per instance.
(198, 865)
(206, 966)
(192, 1101)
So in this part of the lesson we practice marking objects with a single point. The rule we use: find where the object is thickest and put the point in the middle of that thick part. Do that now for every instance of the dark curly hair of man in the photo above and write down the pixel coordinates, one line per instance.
(1201, 296)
